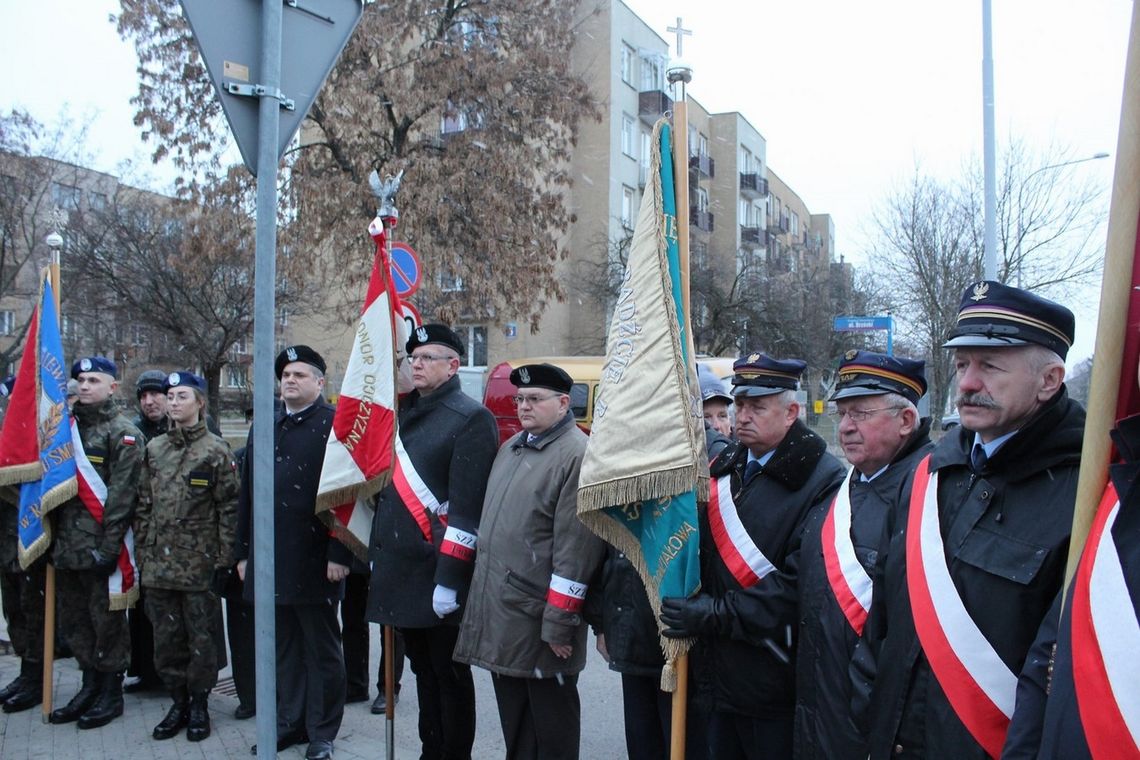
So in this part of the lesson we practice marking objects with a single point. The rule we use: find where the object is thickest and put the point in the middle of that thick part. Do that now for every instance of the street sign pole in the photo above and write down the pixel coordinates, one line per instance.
(264, 323)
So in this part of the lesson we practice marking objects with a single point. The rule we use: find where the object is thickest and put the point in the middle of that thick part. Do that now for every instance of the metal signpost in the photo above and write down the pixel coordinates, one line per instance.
(241, 44)
(868, 324)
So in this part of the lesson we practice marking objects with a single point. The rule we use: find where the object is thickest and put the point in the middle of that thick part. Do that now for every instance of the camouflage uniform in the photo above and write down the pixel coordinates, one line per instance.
(98, 636)
(186, 522)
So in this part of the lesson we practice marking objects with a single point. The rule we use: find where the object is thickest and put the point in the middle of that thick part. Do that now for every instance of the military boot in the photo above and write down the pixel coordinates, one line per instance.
(199, 726)
(13, 686)
(176, 716)
(80, 703)
(30, 693)
(108, 706)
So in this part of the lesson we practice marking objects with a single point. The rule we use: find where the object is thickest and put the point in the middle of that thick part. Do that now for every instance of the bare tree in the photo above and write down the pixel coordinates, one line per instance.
(928, 245)
(474, 100)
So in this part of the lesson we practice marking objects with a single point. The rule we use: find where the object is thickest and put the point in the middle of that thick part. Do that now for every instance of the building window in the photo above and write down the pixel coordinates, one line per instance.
(628, 202)
(651, 78)
(7, 322)
(97, 201)
(702, 200)
(627, 58)
(449, 281)
(745, 160)
(475, 339)
(628, 136)
(237, 376)
(65, 196)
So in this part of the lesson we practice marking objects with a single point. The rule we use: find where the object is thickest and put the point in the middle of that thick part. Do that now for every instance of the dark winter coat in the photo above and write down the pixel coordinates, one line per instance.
(187, 515)
(115, 449)
(1006, 532)
(1046, 721)
(301, 542)
(627, 620)
(748, 676)
(451, 440)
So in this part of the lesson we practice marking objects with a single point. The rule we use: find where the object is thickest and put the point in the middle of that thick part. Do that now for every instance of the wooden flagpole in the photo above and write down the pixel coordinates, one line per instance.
(49, 571)
(1115, 295)
(682, 76)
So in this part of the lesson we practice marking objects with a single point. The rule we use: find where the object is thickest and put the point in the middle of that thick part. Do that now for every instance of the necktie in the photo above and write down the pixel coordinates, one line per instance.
(978, 458)
(751, 469)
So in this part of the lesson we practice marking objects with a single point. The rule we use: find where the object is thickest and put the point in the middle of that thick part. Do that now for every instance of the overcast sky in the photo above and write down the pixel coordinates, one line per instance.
(849, 96)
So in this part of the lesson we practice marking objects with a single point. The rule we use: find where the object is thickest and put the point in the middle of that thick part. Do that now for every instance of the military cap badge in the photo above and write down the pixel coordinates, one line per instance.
(980, 291)
(173, 379)
(421, 334)
(291, 353)
(524, 375)
(85, 365)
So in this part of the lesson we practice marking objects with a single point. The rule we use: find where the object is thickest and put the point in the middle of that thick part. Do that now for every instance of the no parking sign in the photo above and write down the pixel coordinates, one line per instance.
(406, 270)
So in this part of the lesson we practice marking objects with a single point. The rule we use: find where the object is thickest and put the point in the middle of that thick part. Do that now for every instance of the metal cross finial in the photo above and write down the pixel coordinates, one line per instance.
(680, 31)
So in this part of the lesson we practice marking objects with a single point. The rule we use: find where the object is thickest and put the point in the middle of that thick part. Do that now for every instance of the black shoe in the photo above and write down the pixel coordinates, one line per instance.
(15, 685)
(108, 706)
(244, 712)
(81, 702)
(353, 697)
(31, 695)
(319, 750)
(380, 704)
(199, 726)
(285, 741)
(176, 716)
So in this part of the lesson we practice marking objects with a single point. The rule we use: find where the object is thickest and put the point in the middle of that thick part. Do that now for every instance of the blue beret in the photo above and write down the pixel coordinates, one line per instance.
(761, 375)
(95, 364)
(866, 373)
(992, 314)
(183, 380)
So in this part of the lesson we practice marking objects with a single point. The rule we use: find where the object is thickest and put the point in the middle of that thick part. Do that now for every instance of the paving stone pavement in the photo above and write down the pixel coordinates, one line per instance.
(362, 735)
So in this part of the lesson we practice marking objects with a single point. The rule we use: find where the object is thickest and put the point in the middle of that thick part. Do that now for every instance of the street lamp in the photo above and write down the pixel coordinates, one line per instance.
(1021, 189)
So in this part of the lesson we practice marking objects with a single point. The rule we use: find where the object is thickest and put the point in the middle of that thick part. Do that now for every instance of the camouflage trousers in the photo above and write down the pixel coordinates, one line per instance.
(23, 600)
(185, 653)
(98, 637)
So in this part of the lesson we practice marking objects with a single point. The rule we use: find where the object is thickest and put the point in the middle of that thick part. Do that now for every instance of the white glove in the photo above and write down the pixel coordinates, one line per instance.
(443, 601)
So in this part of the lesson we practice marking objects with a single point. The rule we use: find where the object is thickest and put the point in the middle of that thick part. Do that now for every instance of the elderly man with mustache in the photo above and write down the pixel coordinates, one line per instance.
(975, 551)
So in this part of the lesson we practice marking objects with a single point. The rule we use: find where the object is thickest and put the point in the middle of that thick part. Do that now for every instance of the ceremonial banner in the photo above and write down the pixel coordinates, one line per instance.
(51, 435)
(645, 466)
(19, 442)
(360, 452)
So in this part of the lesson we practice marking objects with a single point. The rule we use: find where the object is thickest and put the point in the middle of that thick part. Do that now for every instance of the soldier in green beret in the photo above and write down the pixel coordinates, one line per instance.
(186, 521)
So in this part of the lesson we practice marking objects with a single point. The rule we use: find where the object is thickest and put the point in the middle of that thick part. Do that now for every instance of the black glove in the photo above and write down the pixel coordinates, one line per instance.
(103, 565)
(220, 580)
(685, 618)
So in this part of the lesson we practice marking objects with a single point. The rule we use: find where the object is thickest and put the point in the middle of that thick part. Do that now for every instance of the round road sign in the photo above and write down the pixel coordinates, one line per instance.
(407, 272)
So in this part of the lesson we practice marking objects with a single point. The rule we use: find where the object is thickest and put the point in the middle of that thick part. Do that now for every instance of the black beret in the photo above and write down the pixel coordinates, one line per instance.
(761, 375)
(183, 380)
(866, 373)
(425, 335)
(298, 354)
(542, 376)
(95, 364)
(992, 314)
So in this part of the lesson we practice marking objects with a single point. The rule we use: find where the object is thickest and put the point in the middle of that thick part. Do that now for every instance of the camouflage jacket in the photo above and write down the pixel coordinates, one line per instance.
(114, 448)
(187, 512)
(9, 529)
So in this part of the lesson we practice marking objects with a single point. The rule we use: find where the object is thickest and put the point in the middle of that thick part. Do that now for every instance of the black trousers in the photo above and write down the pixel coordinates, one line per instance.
(541, 717)
(239, 627)
(446, 693)
(739, 737)
(310, 671)
(649, 720)
(355, 637)
(22, 596)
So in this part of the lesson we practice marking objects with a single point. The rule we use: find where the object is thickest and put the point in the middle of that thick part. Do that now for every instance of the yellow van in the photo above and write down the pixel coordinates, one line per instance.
(498, 395)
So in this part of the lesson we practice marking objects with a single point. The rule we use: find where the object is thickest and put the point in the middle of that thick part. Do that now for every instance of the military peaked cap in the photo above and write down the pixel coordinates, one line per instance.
(761, 375)
(992, 314)
(866, 373)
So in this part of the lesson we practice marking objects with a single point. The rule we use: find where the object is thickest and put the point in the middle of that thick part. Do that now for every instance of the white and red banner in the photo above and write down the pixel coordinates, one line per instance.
(360, 453)
(1106, 638)
(979, 685)
(740, 553)
(847, 577)
(122, 585)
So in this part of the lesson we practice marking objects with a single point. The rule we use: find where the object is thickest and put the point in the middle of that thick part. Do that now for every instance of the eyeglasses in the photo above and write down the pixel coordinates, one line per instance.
(426, 358)
(532, 399)
(860, 415)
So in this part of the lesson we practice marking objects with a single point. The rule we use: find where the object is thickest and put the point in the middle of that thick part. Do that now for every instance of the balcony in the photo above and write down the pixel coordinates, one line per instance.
(652, 105)
(642, 176)
(704, 164)
(755, 236)
(752, 185)
(702, 220)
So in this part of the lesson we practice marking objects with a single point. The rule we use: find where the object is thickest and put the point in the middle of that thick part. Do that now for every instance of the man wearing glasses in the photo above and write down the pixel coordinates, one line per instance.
(424, 535)
(763, 488)
(535, 562)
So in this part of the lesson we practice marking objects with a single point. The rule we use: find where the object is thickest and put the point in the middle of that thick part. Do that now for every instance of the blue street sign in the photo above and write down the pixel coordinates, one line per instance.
(862, 324)
(406, 269)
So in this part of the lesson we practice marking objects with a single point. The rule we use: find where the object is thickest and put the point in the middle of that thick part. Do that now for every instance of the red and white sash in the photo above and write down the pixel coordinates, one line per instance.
(979, 685)
(415, 494)
(849, 581)
(122, 585)
(741, 555)
(1106, 640)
